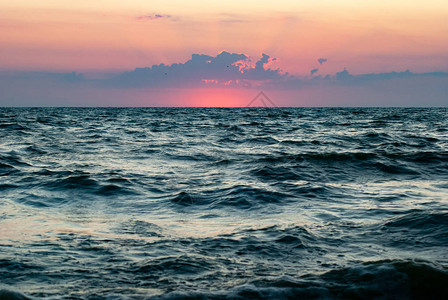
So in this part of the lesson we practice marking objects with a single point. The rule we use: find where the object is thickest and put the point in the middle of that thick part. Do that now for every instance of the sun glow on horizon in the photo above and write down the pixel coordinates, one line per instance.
(215, 97)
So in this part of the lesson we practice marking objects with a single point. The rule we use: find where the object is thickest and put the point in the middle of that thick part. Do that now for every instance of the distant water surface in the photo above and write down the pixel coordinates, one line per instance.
(171, 203)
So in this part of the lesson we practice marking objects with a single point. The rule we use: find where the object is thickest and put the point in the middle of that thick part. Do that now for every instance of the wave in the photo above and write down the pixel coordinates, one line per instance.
(178, 265)
(419, 220)
(238, 196)
(425, 228)
(9, 294)
(389, 279)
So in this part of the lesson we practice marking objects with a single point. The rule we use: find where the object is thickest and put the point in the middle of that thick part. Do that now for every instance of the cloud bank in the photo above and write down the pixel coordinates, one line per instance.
(225, 69)
(234, 70)
(229, 71)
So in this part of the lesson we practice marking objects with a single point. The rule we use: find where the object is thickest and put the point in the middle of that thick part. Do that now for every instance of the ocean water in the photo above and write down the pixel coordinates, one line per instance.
(216, 203)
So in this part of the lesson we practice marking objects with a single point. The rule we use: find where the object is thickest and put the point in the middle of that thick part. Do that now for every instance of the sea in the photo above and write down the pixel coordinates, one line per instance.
(224, 203)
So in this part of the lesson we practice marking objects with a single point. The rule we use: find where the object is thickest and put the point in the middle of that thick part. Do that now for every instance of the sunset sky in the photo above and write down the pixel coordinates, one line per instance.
(405, 43)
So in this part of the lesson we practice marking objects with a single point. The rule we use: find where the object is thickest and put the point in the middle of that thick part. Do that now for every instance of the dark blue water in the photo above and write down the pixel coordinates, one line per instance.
(256, 203)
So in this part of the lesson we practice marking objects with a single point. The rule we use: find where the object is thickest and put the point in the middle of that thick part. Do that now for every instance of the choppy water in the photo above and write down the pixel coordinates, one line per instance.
(174, 203)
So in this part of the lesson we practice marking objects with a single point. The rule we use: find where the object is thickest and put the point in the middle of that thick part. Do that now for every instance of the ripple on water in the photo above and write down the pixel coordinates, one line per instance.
(177, 203)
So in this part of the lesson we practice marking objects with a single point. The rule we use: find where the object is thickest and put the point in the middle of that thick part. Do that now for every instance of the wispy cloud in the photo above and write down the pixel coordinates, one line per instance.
(152, 17)
(233, 18)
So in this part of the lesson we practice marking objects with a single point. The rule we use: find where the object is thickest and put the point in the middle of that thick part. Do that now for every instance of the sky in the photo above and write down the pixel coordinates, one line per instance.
(212, 53)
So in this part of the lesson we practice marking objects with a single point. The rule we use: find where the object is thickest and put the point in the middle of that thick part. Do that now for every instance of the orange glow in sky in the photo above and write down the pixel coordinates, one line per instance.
(122, 35)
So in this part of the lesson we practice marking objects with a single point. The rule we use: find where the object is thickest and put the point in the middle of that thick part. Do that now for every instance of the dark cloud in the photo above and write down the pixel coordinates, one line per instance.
(152, 17)
(261, 73)
(226, 69)
(322, 61)
(200, 67)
